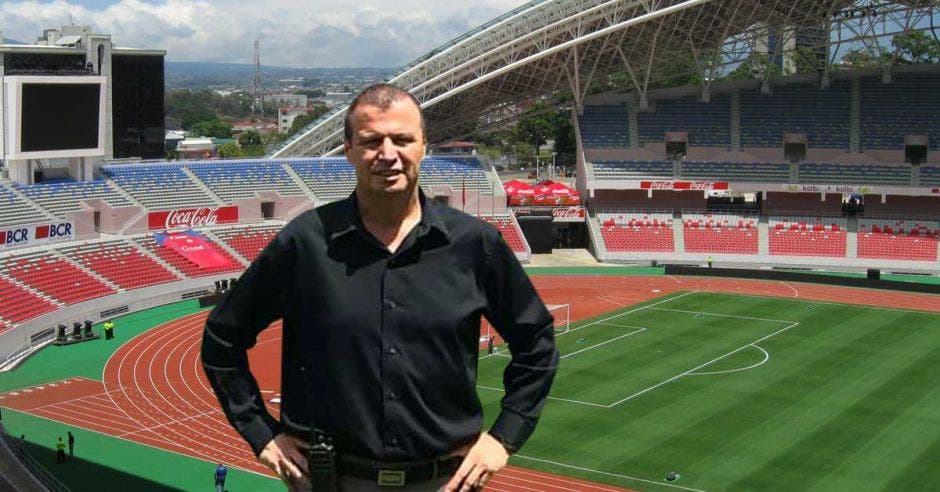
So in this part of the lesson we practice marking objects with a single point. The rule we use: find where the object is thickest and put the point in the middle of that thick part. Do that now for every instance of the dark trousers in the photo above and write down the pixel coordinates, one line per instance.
(60, 456)
(109, 334)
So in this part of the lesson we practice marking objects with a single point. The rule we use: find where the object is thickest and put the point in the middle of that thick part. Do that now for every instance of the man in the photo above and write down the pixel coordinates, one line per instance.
(220, 472)
(60, 451)
(381, 296)
(108, 329)
(71, 444)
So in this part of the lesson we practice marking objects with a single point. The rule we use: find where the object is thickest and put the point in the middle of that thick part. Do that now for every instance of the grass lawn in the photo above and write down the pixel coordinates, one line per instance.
(742, 393)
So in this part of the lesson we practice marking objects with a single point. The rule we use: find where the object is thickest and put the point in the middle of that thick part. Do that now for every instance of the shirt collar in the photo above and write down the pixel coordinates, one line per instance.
(348, 219)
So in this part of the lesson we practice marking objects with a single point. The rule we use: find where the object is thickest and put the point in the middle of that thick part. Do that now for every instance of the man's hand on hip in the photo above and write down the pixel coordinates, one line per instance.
(486, 457)
(286, 456)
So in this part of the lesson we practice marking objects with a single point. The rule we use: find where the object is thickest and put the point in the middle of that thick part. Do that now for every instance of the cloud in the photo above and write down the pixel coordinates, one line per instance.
(321, 33)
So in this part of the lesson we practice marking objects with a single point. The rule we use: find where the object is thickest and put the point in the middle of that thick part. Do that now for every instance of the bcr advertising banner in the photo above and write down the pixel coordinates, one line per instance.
(22, 236)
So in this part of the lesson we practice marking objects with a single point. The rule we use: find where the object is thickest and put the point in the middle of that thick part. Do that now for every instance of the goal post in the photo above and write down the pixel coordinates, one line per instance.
(562, 315)
(560, 312)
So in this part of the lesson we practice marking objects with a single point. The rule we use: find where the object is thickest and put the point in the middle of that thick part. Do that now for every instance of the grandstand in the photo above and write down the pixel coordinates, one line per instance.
(751, 168)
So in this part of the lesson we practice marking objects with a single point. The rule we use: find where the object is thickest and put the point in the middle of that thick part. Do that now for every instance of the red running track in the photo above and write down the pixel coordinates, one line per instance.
(154, 392)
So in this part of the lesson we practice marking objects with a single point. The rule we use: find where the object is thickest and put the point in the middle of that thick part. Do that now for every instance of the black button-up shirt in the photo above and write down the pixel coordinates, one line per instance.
(380, 349)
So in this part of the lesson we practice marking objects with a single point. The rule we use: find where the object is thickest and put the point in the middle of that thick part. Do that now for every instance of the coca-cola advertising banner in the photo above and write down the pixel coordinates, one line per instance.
(568, 214)
(684, 185)
(191, 217)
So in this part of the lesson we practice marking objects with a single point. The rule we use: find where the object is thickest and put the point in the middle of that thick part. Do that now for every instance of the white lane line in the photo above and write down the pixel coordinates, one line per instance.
(598, 405)
(634, 332)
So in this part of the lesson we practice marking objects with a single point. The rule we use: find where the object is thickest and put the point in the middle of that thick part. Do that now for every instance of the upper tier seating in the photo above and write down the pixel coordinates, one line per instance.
(241, 179)
(54, 276)
(330, 178)
(855, 174)
(615, 170)
(182, 264)
(930, 175)
(822, 114)
(18, 304)
(121, 262)
(456, 172)
(510, 232)
(765, 172)
(63, 197)
(637, 231)
(907, 106)
(807, 236)
(720, 233)
(248, 241)
(707, 124)
(605, 127)
(14, 210)
(914, 240)
(159, 186)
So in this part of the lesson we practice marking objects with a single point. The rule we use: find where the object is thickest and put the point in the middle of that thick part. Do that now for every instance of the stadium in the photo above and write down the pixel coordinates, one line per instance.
(760, 308)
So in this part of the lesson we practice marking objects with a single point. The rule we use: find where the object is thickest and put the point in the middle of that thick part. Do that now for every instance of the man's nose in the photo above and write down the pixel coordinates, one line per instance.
(387, 150)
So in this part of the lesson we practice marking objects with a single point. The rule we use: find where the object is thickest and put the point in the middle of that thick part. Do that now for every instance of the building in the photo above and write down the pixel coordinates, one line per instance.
(286, 117)
(293, 100)
(114, 97)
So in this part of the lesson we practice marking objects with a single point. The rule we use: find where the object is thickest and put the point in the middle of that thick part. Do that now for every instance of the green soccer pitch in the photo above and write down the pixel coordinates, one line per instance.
(737, 392)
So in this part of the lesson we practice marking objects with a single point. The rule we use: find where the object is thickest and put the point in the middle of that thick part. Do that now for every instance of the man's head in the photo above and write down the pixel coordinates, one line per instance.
(384, 140)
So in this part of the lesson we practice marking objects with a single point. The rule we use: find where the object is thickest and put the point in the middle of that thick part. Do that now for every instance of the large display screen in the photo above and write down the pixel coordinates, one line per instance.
(59, 116)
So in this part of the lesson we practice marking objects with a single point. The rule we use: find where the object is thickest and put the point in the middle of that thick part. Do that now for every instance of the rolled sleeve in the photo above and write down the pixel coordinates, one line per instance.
(231, 329)
(521, 318)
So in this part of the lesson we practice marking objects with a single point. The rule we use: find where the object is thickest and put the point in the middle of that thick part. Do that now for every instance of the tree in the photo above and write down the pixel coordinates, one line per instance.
(249, 138)
(305, 119)
(863, 58)
(916, 47)
(214, 128)
(230, 150)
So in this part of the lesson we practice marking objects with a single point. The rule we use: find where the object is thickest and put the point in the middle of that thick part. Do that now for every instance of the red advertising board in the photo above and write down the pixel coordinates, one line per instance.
(191, 217)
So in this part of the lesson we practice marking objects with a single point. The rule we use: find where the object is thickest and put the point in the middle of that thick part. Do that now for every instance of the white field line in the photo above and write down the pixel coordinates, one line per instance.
(598, 405)
(609, 474)
(716, 359)
(634, 332)
(724, 315)
(752, 366)
(649, 306)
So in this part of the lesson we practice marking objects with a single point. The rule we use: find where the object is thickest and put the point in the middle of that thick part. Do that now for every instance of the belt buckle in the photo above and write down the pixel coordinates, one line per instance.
(391, 478)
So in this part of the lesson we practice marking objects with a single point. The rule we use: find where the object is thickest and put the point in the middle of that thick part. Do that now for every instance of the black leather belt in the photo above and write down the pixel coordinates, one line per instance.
(396, 474)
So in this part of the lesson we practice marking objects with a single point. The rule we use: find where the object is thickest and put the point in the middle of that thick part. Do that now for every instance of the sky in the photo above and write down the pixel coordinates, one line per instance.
(293, 33)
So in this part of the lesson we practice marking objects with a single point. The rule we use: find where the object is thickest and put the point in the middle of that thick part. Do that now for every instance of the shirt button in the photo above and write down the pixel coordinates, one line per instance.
(391, 395)
(389, 304)
(393, 441)
(392, 351)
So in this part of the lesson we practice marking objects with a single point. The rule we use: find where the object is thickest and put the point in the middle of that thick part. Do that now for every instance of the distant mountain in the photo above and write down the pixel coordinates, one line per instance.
(12, 41)
(201, 75)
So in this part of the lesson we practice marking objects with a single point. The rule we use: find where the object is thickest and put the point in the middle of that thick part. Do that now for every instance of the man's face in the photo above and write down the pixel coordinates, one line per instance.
(386, 147)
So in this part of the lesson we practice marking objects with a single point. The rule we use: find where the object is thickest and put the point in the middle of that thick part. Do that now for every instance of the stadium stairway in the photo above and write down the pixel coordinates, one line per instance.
(202, 186)
(851, 237)
(88, 271)
(596, 238)
(678, 234)
(763, 236)
(127, 196)
(298, 180)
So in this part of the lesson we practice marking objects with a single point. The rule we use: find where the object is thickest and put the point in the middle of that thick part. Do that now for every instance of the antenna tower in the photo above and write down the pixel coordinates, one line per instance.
(257, 106)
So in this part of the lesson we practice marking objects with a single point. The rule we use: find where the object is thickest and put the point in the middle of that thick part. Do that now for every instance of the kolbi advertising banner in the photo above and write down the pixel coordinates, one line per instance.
(22, 236)
(191, 217)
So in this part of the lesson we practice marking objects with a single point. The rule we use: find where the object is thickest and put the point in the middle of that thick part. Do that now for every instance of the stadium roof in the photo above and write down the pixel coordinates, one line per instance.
(489, 75)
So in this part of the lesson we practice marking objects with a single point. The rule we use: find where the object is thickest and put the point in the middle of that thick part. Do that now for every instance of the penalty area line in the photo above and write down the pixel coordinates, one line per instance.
(599, 472)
